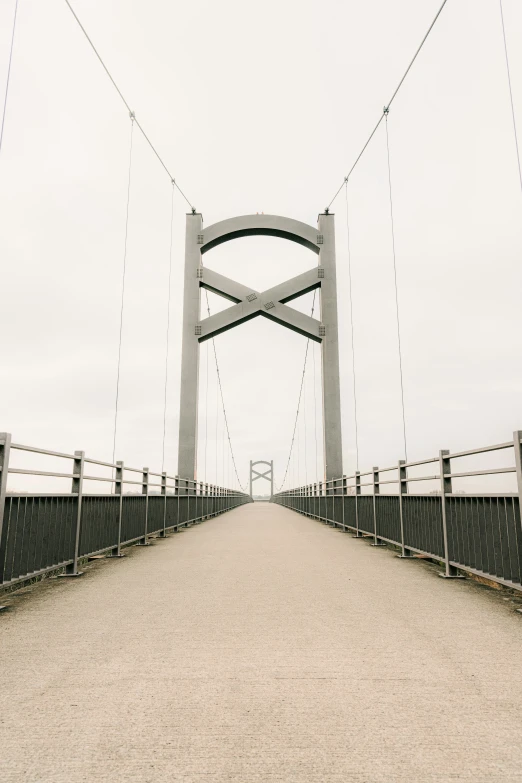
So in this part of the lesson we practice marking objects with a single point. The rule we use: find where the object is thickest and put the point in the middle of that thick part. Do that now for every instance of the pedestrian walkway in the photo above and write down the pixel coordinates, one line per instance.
(260, 646)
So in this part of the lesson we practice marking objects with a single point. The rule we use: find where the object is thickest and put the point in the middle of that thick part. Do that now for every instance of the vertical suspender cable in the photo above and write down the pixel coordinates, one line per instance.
(396, 288)
(296, 422)
(511, 93)
(305, 422)
(206, 411)
(123, 289)
(350, 297)
(223, 481)
(8, 74)
(217, 424)
(315, 417)
(225, 417)
(168, 331)
(298, 446)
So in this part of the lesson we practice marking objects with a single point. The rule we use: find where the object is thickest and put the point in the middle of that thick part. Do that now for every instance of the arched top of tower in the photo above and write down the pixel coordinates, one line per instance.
(259, 225)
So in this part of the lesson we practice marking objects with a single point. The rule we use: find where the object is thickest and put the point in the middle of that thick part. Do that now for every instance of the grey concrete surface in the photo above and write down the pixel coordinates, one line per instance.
(260, 646)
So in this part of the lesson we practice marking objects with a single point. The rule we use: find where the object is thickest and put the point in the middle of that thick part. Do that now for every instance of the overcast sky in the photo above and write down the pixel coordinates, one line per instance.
(260, 107)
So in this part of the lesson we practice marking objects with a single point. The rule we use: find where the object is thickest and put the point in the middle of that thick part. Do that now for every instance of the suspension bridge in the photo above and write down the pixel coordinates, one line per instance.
(158, 624)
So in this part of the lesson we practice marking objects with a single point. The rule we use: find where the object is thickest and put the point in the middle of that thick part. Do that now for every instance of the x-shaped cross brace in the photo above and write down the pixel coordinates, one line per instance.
(256, 474)
(249, 304)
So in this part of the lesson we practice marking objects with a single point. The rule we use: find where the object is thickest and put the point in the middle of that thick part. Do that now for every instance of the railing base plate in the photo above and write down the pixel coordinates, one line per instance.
(451, 576)
(68, 576)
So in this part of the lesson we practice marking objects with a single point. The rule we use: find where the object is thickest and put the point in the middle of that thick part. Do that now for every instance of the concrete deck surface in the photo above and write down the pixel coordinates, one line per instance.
(260, 646)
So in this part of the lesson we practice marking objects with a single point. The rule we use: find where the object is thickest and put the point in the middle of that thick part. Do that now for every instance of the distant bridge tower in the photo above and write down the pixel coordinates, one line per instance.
(270, 304)
(268, 474)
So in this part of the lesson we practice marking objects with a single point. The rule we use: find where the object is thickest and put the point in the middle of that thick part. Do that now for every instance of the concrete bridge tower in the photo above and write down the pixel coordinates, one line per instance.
(248, 304)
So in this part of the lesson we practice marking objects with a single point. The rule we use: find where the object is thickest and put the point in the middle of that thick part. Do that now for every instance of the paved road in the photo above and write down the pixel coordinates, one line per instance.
(260, 646)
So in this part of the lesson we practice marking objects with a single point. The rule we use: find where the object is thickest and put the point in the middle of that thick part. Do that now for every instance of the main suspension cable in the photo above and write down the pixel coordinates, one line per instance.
(350, 299)
(386, 108)
(8, 79)
(511, 93)
(396, 292)
(138, 124)
(168, 330)
(123, 288)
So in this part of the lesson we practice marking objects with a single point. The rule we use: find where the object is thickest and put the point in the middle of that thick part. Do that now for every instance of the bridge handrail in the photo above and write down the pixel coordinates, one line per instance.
(478, 533)
(42, 531)
(174, 480)
(334, 482)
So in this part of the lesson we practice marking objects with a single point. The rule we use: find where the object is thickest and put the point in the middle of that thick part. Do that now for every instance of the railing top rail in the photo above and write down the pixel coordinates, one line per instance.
(429, 461)
(103, 464)
(47, 452)
(482, 450)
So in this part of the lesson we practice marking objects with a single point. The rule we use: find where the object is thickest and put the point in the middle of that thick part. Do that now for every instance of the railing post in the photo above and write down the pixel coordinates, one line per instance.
(376, 491)
(118, 490)
(163, 533)
(5, 449)
(77, 489)
(176, 494)
(517, 436)
(145, 491)
(357, 534)
(445, 488)
(403, 490)
(344, 493)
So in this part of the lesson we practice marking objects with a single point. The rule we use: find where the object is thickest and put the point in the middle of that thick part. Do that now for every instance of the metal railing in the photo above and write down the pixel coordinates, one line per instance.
(476, 533)
(41, 532)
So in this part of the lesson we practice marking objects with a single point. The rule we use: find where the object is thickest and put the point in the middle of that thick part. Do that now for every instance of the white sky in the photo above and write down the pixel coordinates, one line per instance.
(260, 107)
